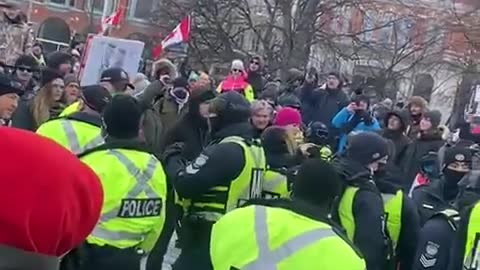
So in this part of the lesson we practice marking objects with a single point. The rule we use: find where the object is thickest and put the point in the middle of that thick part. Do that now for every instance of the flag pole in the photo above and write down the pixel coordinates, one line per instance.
(106, 5)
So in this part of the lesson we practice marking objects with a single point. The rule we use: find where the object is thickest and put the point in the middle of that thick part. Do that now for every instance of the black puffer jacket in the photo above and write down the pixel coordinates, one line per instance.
(398, 137)
(192, 128)
(427, 142)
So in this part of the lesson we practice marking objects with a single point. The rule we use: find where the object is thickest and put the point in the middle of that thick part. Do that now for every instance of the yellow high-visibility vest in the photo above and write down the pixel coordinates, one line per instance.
(258, 238)
(472, 244)
(248, 185)
(275, 185)
(135, 193)
(73, 134)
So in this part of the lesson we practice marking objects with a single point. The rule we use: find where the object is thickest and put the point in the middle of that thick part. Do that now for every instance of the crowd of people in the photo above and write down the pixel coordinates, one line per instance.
(244, 173)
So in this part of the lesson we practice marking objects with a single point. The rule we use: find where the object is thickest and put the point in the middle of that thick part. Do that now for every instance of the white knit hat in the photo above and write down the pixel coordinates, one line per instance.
(237, 64)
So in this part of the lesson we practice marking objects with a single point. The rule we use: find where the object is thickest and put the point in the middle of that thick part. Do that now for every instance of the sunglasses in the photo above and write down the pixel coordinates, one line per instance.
(24, 69)
(255, 63)
(236, 70)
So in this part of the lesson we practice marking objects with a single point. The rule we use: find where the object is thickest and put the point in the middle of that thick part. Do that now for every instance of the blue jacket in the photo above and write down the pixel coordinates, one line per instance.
(343, 118)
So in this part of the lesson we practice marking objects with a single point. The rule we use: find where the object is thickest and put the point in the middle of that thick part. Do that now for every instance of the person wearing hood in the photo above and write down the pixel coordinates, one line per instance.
(46, 105)
(429, 140)
(395, 125)
(237, 81)
(192, 128)
(322, 104)
(361, 210)
(381, 109)
(10, 92)
(47, 211)
(292, 234)
(37, 53)
(80, 131)
(25, 68)
(444, 236)
(281, 152)
(254, 75)
(262, 116)
(61, 62)
(16, 35)
(140, 82)
(439, 195)
(467, 243)
(354, 118)
(216, 190)
(270, 93)
(416, 106)
(136, 215)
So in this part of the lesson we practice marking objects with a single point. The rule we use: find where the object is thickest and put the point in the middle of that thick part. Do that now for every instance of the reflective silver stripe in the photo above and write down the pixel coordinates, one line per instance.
(72, 138)
(387, 198)
(94, 143)
(142, 179)
(258, 156)
(271, 185)
(268, 259)
(101, 233)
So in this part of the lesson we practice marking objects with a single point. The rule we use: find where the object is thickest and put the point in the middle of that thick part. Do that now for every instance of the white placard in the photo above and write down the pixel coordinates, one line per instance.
(106, 52)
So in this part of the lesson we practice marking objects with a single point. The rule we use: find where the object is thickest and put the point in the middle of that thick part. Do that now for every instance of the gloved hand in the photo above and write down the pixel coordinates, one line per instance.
(173, 150)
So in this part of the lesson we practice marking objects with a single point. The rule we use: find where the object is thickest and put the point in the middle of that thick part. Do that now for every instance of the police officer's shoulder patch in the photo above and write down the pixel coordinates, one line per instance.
(199, 162)
(428, 258)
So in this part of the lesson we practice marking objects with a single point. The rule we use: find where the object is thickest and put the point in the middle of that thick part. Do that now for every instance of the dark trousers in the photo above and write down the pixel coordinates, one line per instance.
(195, 245)
(90, 257)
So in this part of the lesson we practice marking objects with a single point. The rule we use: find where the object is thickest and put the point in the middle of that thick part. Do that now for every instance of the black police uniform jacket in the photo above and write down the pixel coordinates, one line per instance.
(430, 199)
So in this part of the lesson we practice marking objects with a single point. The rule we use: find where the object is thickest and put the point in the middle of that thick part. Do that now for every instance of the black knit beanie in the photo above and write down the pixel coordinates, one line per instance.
(55, 59)
(122, 117)
(435, 117)
(48, 75)
(366, 147)
(316, 182)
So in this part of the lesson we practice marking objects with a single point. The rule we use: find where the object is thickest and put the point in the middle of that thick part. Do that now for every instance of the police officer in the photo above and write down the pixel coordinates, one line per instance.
(287, 234)
(80, 131)
(317, 133)
(466, 247)
(227, 173)
(440, 194)
(361, 211)
(134, 216)
(448, 238)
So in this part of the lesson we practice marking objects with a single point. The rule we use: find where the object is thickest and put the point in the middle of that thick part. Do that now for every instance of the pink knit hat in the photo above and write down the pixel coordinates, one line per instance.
(288, 116)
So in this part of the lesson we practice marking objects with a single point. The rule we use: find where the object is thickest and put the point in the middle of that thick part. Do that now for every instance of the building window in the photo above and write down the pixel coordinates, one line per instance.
(142, 9)
(98, 6)
(368, 25)
(70, 3)
(404, 28)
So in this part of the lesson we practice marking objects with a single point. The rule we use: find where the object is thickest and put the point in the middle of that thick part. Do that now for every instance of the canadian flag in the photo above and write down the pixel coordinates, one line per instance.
(181, 34)
(112, 20)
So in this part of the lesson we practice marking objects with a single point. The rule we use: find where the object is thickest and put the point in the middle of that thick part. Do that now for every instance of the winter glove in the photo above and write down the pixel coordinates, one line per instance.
(172, 151)
(152, 93)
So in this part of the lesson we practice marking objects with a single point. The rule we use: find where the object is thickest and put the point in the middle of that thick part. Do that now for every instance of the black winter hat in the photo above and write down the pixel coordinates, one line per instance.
(55, 59)
(317, 182)
(231, 107)
(366, 147)
(48, 75)
(26, 61)
(457, 154)
(122, 117)
(434, 116)
(96, 97)
(8, 85)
